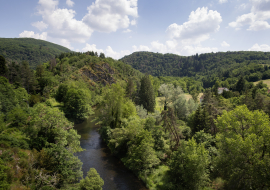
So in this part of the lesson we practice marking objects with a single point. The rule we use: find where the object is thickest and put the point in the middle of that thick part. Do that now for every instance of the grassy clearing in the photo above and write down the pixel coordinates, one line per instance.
(159, 107)
(267, 82)
(188, 96)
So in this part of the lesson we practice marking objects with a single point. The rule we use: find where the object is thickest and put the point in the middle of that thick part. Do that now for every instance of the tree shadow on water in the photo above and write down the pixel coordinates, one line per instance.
(122, 176)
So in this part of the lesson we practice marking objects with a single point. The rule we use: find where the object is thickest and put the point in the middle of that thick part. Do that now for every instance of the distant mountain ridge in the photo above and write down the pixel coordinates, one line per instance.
(206, 67)
(32, 50)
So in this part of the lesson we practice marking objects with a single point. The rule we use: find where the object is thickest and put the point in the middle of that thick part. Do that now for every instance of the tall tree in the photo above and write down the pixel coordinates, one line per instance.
(147, 94)
(243, 143)
(14, 73)
(28, 78)
(200, 120)
(241, 85)
(169, 123)
(130, 88)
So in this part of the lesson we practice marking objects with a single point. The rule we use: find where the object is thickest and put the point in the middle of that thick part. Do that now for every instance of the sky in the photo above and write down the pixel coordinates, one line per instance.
(121, 27)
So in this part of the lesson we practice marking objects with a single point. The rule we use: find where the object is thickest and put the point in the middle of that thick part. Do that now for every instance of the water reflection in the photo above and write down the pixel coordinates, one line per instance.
(97, 155)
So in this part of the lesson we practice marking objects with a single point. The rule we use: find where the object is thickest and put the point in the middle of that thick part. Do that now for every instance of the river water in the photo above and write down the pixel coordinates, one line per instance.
(96, 155)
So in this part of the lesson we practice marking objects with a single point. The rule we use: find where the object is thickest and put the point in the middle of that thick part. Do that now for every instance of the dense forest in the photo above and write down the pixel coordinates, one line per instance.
(37, 111)
(207, 68)
(156, 126)
(33, 51)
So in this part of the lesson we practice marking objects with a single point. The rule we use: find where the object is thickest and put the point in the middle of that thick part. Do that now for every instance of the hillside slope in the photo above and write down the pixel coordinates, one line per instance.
(205, 67)
(32, 50)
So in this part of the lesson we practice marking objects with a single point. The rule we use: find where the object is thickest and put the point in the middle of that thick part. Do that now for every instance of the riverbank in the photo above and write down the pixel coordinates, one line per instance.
(97, 155)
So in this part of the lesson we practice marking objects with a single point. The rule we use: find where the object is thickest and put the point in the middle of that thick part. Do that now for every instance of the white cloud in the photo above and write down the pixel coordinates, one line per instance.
(61, 23)
(111, 15)
(65, 43)
(245, 19)
(225, 44)
(159, 47)
(133, 22)
(109, 52)
(127, 31)
(186, 38)
(243, 6)
(171, 44)
(69, 3)
(31, 34)
(259, 25)
(192, 50)
(256, 19)
(140, 48)
(92, 47)
(260, 5)
(40, 25)
(257, 47)
(198, 27)
(223, 1)
(180, 49)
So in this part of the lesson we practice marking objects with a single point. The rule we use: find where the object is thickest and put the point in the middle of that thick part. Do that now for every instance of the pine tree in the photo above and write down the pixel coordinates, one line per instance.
(201, 121)
(147, 94)
(241, 85)
(102, 55)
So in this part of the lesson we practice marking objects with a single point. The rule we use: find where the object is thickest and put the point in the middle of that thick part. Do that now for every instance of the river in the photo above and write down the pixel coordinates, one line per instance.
(96, 155)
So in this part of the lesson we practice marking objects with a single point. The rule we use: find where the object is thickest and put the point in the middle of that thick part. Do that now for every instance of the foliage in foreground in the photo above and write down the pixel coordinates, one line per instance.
(92, 181)
(243, 144)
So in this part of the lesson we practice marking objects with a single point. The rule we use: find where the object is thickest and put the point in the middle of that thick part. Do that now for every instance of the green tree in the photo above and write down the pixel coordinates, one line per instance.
(119, 137)
(92, 181)
(3, 67)
(77, 104)
(7, 99)
(50, 126)
(188, 166)
(243, 141)
(3, 175)
(10, 97)
(200, 120)
(216, 86)
(170, 94)
(194, 94)
(130, 89)
(102, 55)
(115, 107)
(183, 107)
(168, 120)
(59, 161)
(241, 85)
(141, 156)
(17, 118)
(156, 84)
(147, 94)
(61, 92)
(28, 77)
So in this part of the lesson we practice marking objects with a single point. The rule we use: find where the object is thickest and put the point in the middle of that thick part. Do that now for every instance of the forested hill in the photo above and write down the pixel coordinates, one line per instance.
(205, 67)
(32, 50)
